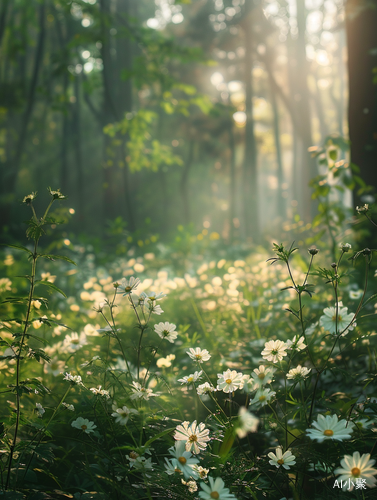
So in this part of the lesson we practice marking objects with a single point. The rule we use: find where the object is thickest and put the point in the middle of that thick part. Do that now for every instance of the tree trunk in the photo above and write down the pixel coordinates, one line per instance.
(361, 26)
(308, 165)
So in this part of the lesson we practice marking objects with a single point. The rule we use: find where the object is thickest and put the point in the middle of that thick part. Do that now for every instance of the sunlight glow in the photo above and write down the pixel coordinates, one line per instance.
(217, 78)
(240, 118)
(153, 23)
(235, 86)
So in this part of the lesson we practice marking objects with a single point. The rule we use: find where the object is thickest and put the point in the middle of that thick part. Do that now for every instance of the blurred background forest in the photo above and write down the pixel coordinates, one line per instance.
(188, 116)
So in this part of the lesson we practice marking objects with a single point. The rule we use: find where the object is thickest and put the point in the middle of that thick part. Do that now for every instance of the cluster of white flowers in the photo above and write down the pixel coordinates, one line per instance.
(100, 392)
(74, 379)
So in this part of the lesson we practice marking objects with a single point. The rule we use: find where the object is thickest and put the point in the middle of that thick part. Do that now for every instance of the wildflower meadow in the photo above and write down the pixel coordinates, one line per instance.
(231, 379)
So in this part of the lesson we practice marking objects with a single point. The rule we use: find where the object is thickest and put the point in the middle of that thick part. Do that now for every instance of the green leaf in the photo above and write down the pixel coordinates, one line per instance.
(57, 257)
(19, 247)
(50, 285)
(333, 154)
(16, 300)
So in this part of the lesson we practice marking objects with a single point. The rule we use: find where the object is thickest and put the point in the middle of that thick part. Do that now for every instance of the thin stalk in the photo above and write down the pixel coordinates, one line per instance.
(18, 368)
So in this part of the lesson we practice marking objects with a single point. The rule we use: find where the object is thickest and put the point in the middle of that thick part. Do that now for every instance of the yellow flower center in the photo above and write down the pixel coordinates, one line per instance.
(261, 375)
(84, 427)
(198, 356)
(355, 472)
(182, 460)
(214, 494)
(262, 398)
(193, 438)
(339, 318)
(228, 381)
(328, 432)
(190, 379)
(281, 461)
(128, 289)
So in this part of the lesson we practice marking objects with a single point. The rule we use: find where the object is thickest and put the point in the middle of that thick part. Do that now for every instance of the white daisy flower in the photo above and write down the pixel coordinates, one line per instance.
(198, 354)
(84, 424)
(262, 397)
(334, 323)
(151, 296)
(54, 367)
(153, 308)
(263, 375)
(274, 350)
(229, 381)
(280, 459)
(140, 392)
(329, 427)
(170, 468)
(126, 286)
(205, 389)
(296, 343)
(195, 436)
(355, 468)
(73, 341)
(298, 373)
(190, 379)
(215, 489)
(166, 331)
(183, 459)
(247, 422)
(122, 415)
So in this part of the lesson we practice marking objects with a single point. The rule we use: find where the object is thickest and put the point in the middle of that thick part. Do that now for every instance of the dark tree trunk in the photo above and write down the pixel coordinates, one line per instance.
(12, 166)
(3, 17)
(361, 26)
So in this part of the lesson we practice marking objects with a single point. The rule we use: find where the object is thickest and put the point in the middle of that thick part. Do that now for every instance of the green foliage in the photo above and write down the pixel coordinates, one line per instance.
(253, 357)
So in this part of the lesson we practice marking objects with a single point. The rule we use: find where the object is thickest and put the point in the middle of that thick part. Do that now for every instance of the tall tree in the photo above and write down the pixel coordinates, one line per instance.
(361, 26)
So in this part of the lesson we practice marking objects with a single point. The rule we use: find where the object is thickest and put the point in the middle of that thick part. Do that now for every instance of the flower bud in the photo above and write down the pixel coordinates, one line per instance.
(345, 247)
(313, 251)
